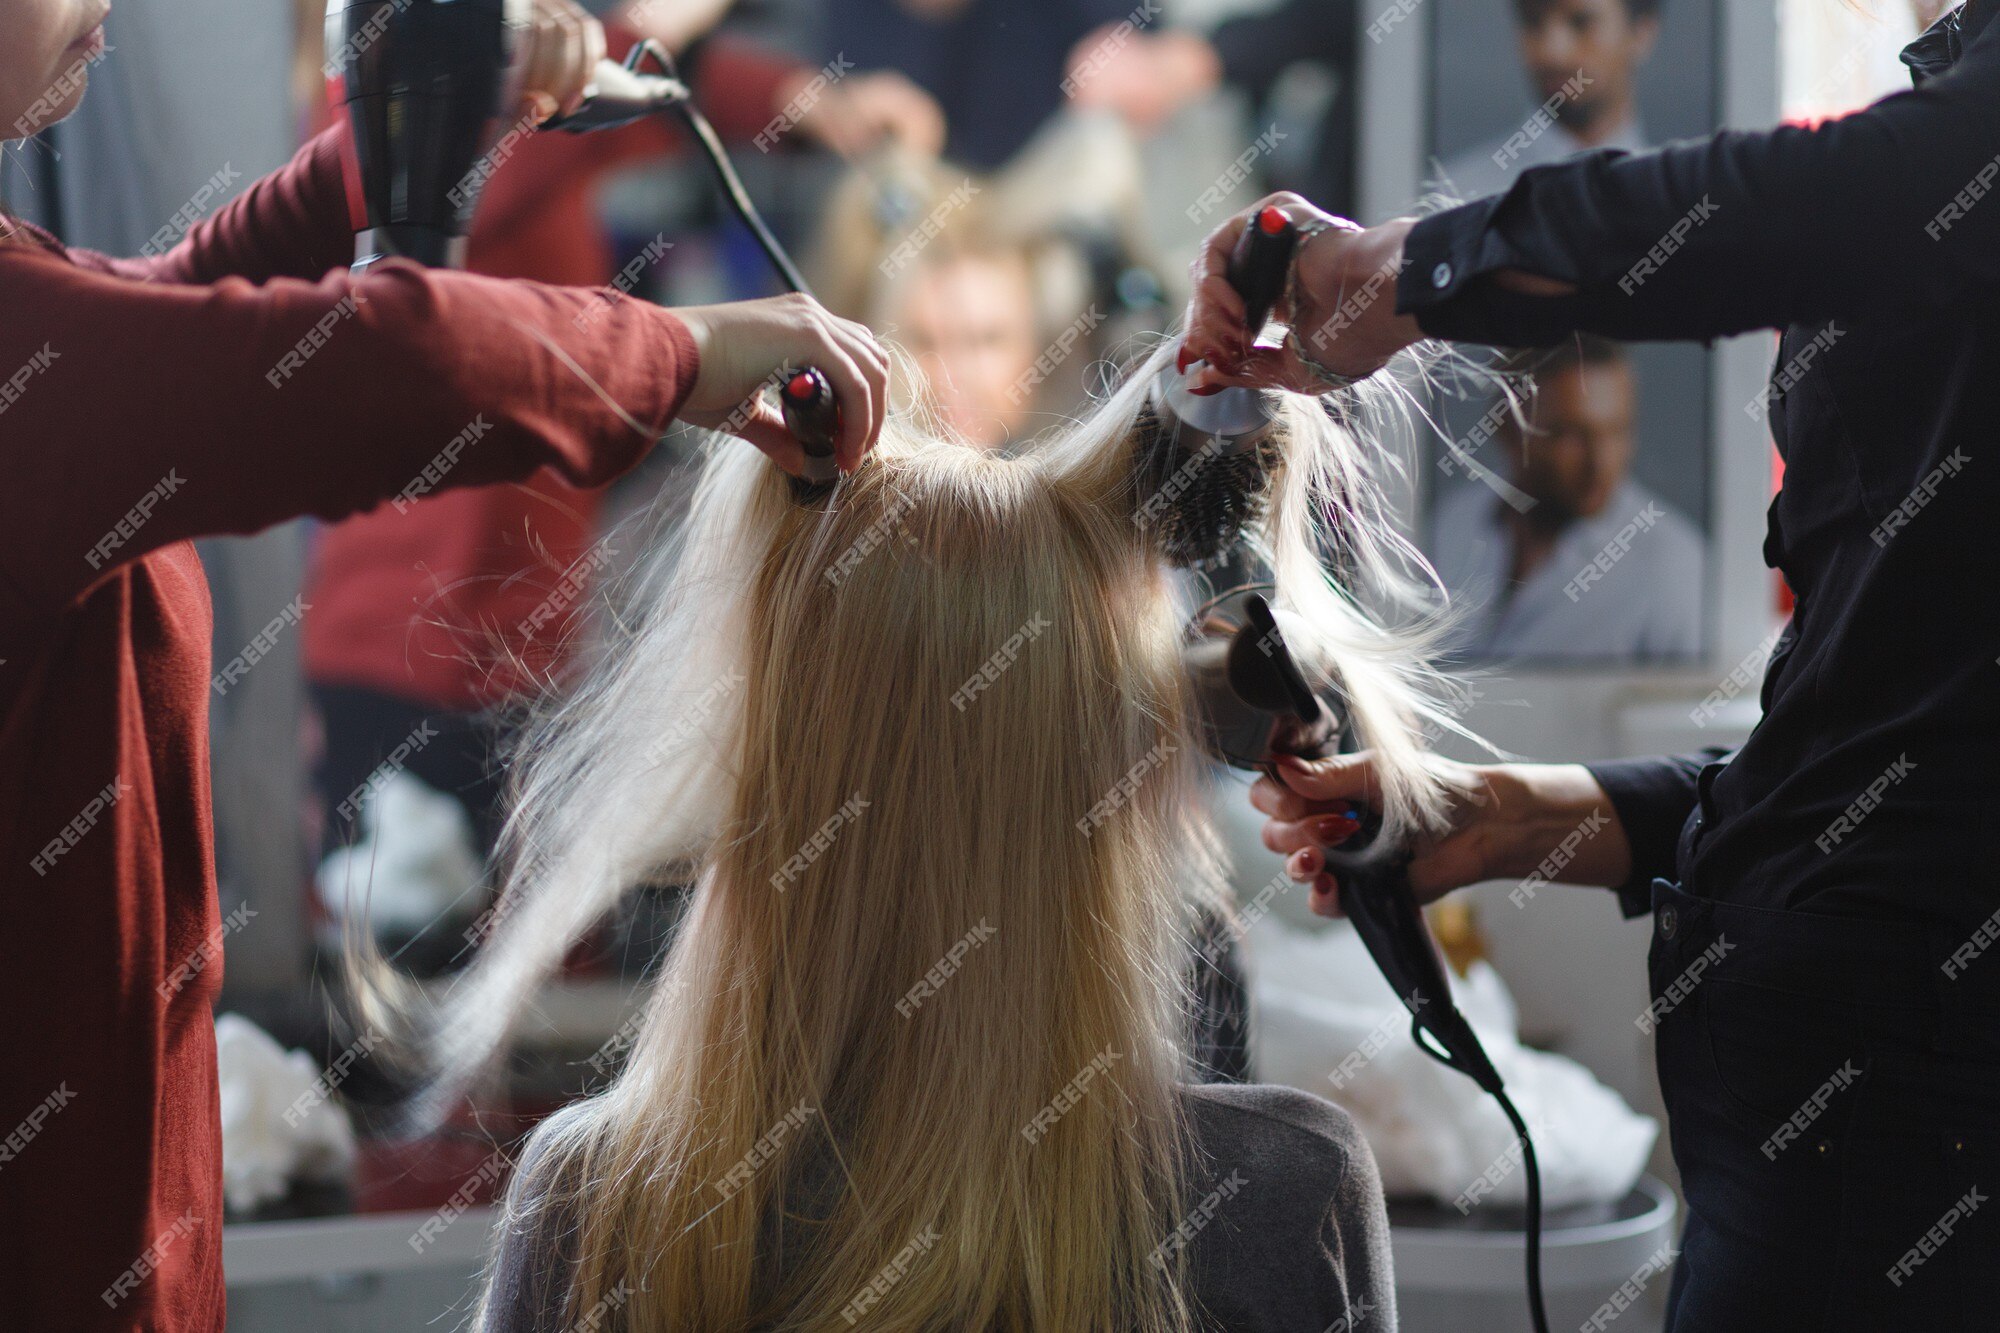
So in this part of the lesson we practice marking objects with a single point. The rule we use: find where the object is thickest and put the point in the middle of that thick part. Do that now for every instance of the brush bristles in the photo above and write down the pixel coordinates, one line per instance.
(1199, 505)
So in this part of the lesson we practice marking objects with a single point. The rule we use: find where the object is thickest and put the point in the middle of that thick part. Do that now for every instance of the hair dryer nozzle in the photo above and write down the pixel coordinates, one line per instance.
(425, 83)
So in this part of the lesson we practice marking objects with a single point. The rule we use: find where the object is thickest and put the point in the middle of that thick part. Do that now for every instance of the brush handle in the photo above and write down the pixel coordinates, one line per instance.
(812, 414)
(1260, 263)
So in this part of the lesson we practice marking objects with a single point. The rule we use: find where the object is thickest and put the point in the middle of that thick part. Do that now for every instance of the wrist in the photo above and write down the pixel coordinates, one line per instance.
(1553, 820)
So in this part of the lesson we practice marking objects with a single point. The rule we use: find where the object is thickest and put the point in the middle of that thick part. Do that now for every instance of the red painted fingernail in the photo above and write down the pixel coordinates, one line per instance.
(1295, 866)
(1181, 361)
(1208, 390)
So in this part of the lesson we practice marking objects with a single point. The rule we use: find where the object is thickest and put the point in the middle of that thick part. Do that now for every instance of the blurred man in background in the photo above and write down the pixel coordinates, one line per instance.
(1580, 561)
(1583, 59)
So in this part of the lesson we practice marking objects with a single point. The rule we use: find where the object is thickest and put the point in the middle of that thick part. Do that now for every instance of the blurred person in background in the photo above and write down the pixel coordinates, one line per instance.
(1574, 560)
(987, 280)
(1149, 76)
(1583, 59)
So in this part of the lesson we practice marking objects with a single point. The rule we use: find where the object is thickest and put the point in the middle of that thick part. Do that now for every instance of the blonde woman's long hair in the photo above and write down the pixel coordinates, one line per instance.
(926, 753)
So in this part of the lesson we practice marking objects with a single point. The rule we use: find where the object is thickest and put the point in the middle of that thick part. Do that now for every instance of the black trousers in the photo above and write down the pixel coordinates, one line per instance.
(1832, 1087)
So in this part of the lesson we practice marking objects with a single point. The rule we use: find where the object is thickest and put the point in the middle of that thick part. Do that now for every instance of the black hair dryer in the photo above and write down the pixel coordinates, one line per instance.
(429, 86)
(1255, 705)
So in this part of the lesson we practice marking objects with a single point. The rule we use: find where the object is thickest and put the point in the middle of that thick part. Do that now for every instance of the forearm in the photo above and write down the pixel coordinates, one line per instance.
(237, 407)
(1554, 821)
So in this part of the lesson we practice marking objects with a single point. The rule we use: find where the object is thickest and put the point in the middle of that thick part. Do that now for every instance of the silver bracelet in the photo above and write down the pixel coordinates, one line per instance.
(1333, 380)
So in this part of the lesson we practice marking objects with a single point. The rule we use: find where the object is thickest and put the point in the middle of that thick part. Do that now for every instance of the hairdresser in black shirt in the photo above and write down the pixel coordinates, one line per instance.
(1825, 960)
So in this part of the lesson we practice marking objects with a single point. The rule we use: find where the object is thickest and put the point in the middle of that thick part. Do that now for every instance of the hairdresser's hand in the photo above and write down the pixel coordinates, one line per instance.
(745, 343)
(1505, 821)
(564, 45)
(1346, 314)
(854, 114)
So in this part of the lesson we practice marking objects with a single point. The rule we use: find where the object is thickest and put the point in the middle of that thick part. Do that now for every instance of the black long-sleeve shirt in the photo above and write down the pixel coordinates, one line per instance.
(1873, 241)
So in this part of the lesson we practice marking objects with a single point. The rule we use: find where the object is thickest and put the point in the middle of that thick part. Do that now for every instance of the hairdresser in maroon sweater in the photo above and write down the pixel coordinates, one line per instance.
(239, 381)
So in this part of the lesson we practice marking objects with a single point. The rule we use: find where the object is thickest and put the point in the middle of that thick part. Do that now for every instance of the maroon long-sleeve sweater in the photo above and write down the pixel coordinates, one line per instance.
(229, 385)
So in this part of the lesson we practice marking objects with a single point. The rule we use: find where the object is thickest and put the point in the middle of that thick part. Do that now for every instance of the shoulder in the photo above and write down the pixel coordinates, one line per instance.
(1277, 1129)
(1286, 1226)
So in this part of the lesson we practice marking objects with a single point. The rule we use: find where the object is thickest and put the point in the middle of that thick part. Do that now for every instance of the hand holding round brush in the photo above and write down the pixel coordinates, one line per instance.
(1340, 304)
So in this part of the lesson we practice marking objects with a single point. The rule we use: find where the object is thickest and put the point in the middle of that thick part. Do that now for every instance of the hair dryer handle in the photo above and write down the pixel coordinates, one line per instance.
(1375, 894)
(812, 414)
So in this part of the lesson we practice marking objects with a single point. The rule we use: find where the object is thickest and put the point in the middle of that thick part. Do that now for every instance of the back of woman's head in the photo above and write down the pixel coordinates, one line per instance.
(925, 750)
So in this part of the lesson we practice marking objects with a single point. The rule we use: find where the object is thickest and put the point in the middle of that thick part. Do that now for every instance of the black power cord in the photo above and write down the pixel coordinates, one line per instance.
(725, 171)
(1536, 1310)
